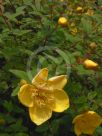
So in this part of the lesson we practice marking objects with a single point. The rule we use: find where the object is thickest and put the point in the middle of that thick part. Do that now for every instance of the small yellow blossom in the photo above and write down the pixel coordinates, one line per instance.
(44, 96)
(89, 64)
(79, 9)
(86, 123)
(63, 21)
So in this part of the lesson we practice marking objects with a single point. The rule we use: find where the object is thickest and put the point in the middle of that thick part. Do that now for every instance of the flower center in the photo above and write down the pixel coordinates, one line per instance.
(43, 97)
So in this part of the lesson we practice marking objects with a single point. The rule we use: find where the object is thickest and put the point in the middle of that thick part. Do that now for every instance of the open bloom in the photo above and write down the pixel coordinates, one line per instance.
(86, 123)
(44, 96)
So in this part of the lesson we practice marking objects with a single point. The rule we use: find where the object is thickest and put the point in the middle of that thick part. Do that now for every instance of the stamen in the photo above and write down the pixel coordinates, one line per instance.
(42, 96)
(34, 92)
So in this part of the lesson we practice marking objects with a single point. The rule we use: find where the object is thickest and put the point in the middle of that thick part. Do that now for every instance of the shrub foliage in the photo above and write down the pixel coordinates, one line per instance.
(30, 39)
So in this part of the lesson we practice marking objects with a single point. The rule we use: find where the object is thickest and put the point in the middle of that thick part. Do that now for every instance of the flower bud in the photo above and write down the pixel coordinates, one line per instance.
(93, 45)
(89, 64)
(79, 9)
(63, 21)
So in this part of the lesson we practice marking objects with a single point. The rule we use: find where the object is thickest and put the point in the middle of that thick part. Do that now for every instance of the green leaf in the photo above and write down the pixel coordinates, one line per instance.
(92, 95)
(87, 26)
(20, 32)
(55, 125)
(15, 91)
(65, 57)
(42, 128)
(27, 2)
(19, 10)
(37, 4)
(20, 74)
(17, 127)
(82, 71)
(56, 61)
(81, 100)
(71, 38)
(98, 131)
(99, 2)
(8, 105)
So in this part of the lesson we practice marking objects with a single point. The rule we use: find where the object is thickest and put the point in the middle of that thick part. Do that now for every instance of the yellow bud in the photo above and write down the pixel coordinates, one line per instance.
(93, 45)
(63, 21)
(23, 82)
(89, 64)
(79, 9)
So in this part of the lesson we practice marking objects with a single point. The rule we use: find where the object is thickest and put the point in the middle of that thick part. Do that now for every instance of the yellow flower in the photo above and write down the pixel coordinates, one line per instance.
(86, 123)
(63, 21)
(89, 64)
(44, 96)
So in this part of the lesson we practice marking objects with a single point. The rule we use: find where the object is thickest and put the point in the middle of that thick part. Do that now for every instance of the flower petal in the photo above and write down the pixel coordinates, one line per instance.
(83, 127)
(77, 130)
(58, 82)
(95, 118)
(77, 118)
(41, 77)
(25, 95)
(39, 114)
(61, 101)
